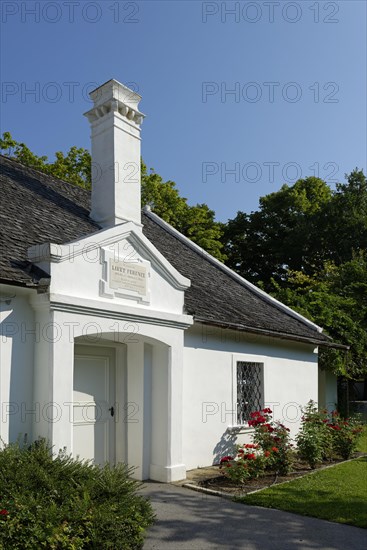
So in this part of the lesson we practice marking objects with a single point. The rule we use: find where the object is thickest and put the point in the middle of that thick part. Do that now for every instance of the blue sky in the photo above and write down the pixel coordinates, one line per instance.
(297, 72)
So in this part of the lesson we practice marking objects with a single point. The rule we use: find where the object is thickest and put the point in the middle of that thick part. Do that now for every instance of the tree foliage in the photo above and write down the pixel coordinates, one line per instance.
(335, 298)
(306, 245)
(196, 222)
(280, 236)
(74, 167)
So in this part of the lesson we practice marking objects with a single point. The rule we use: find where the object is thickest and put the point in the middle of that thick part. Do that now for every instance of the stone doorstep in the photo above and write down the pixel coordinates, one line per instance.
(198, 474)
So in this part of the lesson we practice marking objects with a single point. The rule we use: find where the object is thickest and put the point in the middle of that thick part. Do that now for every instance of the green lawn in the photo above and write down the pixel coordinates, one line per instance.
(336, 494)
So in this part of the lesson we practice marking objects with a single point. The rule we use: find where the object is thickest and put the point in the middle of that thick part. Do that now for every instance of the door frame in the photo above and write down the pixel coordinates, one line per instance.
(118, 383)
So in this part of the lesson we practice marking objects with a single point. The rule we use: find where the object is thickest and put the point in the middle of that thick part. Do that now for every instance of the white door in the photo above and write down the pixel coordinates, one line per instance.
(94, 404)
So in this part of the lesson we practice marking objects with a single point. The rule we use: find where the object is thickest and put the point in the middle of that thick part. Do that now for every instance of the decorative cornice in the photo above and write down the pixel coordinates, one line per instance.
(114, 97)
(115, 106)
(122, 316)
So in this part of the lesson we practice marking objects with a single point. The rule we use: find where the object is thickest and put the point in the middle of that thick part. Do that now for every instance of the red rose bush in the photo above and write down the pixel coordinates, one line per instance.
(322, 437)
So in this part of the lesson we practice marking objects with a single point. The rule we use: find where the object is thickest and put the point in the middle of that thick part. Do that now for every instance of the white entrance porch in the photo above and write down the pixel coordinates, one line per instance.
(137, 375)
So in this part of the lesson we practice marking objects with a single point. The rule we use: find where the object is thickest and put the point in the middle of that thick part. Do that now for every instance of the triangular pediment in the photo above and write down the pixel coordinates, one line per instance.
(122, 251)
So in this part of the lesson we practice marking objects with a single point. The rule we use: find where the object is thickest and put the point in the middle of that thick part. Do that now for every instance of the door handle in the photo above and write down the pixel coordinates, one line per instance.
(112, 411)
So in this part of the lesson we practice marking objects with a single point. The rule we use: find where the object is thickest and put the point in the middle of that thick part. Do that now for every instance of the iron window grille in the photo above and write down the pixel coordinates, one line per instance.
(249, 390)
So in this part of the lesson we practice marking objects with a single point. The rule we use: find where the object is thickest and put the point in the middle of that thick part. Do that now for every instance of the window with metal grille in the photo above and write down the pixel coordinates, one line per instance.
(249, 389)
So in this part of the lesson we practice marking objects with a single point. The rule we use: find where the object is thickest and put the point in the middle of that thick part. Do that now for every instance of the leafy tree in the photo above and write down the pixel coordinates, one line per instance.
(74, 167)
(196, 222)
(20, 152)
(299, 228)
(163, 197)
(307, 246)
(336, 299)
(200, 227)
(279, 236)
(343, 222)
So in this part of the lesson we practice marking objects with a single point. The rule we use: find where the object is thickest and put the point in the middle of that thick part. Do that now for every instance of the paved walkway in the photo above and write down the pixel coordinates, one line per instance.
(188, 520)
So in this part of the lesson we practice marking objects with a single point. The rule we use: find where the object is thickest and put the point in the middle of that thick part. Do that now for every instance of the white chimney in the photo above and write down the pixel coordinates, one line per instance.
(115, 123)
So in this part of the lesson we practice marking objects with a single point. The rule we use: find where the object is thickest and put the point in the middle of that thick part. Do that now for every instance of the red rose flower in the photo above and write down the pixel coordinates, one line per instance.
(4, 512)
(275, 449)
(251, 456)
(225, 460)
(257, 418)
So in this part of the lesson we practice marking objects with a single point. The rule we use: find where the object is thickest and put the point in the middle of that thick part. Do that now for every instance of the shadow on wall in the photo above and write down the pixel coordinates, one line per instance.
(226, 446)
(17, 340)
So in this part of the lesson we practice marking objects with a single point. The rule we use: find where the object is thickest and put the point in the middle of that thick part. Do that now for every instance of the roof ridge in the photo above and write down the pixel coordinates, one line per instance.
(241, 280)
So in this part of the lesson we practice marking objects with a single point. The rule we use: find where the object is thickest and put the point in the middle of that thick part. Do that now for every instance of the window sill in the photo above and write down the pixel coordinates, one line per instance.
(240, 428)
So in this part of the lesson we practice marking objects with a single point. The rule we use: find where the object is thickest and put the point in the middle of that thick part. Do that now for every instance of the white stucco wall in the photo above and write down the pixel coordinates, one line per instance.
(328, 390)
(209, 387)
(18, 333)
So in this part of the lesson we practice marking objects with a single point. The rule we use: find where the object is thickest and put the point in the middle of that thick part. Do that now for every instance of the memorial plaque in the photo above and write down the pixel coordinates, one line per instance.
(128, 276)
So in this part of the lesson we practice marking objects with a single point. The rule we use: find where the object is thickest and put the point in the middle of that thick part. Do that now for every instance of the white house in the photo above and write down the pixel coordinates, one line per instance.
(121, 340)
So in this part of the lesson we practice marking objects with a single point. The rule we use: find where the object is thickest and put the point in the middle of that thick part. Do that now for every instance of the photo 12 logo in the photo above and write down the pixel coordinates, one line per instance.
(54, 92)
(269, 92)
(52, 411)
(214, 412)
(122, 332)
(69, 12)
(266, 172)
(269, 12)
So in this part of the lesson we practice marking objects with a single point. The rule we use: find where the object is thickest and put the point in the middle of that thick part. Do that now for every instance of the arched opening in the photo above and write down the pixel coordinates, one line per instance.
(121, 401)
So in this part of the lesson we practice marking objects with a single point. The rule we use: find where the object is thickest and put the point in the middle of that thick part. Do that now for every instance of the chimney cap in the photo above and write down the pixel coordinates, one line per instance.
(114, 96)
(112, 89)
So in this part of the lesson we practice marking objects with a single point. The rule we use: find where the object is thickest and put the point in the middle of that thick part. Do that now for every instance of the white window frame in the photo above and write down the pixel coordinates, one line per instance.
(237, 358)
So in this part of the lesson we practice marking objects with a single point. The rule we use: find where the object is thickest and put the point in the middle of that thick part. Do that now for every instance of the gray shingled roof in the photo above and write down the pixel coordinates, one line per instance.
(37, 208)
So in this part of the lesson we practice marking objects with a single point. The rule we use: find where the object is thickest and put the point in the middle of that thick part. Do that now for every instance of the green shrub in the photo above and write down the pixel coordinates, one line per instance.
(323, 436)
(65, 504)
(345, 434)
(314, 440)
(310, 445)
